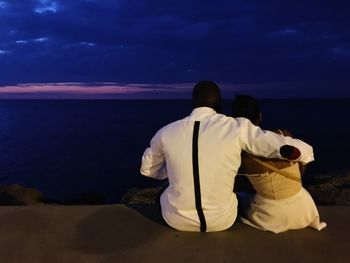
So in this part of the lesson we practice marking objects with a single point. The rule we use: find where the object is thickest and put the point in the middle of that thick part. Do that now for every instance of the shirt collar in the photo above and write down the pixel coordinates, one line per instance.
(202, 111)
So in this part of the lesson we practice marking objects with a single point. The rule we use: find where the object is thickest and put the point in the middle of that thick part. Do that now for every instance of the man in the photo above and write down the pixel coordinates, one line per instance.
(200, 155)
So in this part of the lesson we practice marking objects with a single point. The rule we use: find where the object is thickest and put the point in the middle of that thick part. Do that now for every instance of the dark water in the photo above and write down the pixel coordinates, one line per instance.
(67, 149)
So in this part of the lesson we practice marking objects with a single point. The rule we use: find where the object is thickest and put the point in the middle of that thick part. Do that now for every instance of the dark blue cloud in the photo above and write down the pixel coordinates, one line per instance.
(156, 41)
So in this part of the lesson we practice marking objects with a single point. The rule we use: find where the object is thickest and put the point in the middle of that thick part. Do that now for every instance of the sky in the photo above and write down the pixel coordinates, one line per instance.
(132, 49)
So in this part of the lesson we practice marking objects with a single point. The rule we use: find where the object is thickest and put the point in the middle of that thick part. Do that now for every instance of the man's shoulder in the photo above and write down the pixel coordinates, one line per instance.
(173, 125)
(221, 118)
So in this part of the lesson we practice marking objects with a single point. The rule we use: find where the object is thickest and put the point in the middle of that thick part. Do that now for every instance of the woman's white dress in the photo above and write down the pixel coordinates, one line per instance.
(294, 212)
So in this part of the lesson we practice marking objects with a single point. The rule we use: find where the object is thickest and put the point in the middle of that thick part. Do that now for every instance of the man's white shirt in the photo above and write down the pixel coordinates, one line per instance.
(220, 142)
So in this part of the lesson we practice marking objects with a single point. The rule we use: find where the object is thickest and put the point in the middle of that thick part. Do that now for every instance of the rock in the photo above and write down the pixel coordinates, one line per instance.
(16, 194)
(326, 189)
(330, 189)
(142, 195)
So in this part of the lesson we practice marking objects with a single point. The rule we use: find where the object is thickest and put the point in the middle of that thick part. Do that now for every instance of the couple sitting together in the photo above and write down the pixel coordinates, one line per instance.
(201, 155)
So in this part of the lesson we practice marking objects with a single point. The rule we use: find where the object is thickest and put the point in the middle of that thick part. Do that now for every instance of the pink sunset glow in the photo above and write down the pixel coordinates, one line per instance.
(70, 88)
(113, 90)
(86, 90)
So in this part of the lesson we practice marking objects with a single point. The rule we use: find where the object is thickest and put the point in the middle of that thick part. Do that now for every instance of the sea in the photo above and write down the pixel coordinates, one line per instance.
(67, 149)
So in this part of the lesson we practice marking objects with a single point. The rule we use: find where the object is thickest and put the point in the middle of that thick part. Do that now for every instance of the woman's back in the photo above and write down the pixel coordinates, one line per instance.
(269, 183)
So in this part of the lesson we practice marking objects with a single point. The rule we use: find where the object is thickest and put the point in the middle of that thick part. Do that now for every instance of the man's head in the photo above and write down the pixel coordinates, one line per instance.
(248, 107)
(206, 94)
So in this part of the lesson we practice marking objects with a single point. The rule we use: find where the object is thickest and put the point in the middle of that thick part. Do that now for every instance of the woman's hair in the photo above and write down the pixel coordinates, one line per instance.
(246, 106)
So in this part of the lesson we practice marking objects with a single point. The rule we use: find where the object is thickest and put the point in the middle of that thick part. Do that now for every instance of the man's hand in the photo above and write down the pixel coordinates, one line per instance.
(290, 152)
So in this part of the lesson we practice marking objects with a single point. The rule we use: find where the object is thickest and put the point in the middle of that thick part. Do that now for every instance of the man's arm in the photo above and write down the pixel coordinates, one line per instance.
(153, 161)
(271, 145)
(302, 167)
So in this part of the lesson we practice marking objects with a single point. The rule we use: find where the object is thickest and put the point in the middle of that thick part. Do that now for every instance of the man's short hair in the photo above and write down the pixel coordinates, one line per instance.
(206, 94)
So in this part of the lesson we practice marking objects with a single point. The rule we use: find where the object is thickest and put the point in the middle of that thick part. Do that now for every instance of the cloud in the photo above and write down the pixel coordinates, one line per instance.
(156, 41)
(284, 32)
(3, 5)
(2, 52)
(44, 6)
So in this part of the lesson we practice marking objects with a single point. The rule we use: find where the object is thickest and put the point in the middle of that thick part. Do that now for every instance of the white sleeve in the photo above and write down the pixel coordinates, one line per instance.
(267, 144)
(153, 161)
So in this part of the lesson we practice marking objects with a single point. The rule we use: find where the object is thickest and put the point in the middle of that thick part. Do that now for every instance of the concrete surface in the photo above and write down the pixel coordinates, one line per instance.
(119, 233)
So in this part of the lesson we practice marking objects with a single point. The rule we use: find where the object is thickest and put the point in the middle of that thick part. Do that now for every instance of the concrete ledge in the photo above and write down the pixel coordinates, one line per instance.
(119, 233)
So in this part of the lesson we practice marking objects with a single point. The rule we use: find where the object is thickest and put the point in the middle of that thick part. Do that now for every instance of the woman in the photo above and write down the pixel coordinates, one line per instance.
(280, 202)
